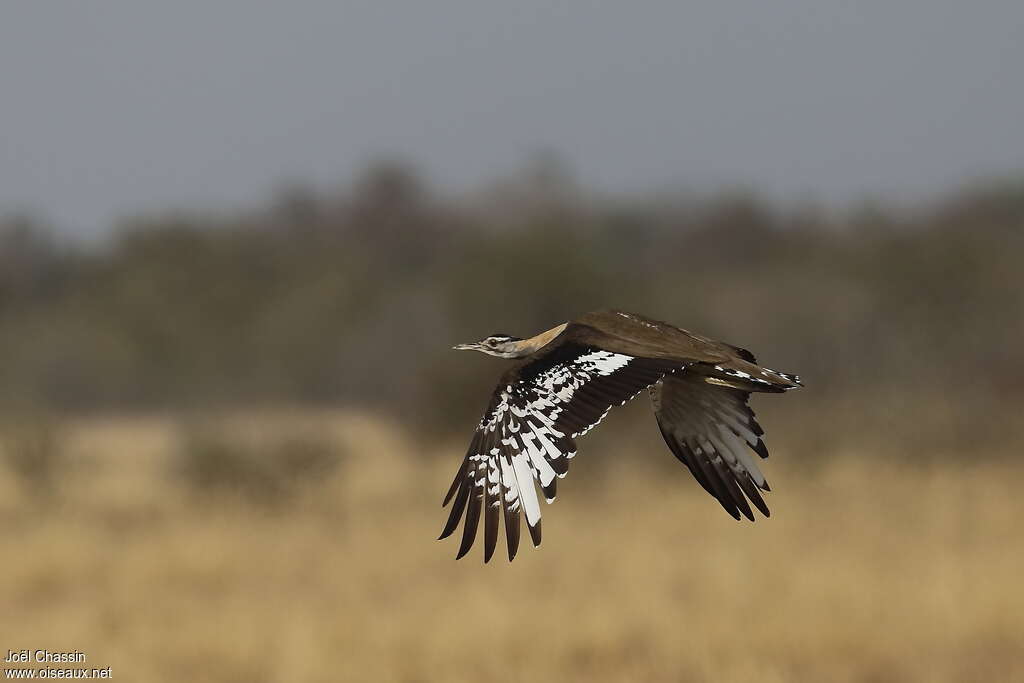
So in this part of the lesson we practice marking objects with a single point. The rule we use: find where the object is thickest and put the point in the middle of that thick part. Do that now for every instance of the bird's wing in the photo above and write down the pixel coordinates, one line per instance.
(528, 433)
(709, 429)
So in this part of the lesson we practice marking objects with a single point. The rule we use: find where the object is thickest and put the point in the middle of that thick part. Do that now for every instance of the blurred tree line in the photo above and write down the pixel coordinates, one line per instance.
(355, 297)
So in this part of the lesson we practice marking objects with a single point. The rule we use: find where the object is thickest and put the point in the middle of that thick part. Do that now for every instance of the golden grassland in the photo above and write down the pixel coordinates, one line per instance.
(870, 569)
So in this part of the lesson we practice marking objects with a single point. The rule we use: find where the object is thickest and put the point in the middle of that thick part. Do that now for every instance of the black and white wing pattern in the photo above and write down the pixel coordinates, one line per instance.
(528, 434)
(709, 428)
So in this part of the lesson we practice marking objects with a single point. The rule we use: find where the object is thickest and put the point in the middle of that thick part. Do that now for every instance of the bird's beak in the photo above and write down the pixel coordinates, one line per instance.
(464, 347)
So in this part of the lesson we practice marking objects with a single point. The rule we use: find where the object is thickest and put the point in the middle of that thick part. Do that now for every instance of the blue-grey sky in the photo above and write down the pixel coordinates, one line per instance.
(110, 107)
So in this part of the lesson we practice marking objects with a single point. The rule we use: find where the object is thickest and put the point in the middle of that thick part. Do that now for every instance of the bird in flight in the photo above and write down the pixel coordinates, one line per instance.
(567, 380)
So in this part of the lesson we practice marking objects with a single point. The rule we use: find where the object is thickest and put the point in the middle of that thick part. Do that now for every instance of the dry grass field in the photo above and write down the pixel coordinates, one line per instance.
(869, 570)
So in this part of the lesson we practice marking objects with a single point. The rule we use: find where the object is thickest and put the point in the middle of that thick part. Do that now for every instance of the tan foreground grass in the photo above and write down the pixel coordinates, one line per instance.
(868, 571)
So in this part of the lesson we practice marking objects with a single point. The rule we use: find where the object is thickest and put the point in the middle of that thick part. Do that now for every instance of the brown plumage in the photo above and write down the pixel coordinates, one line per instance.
(567, 380)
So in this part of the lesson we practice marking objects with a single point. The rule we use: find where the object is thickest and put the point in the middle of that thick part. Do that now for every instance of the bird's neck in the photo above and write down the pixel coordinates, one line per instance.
(527, 346)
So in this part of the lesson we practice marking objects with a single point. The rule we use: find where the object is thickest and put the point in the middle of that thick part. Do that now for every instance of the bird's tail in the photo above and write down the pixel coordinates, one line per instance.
(746, 376)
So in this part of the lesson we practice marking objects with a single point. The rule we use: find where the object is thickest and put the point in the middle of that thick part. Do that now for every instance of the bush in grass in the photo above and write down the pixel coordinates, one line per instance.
(270, 471)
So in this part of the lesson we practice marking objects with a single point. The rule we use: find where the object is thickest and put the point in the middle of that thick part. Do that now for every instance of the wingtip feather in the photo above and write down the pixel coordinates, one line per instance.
(535, 534)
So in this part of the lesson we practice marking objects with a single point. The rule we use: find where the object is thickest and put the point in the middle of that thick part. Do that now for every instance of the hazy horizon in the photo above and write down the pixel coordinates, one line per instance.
(114, 108)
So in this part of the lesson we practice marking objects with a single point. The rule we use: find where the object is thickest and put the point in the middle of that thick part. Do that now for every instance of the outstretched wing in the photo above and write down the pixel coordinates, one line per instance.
(709, 428)
(528, 434)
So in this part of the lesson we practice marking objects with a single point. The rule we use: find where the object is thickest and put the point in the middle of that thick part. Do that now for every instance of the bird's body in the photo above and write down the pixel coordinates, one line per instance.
(567, 380)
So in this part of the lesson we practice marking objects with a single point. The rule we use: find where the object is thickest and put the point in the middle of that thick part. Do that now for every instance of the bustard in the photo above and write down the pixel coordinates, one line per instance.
(570, 377)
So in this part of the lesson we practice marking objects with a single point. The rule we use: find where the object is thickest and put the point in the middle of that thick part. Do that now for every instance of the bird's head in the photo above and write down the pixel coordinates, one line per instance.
(500, 345)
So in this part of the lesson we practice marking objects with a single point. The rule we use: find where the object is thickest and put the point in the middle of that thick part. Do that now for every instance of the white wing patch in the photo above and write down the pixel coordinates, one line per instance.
(527, 428)
(602, 362)
(527, 435)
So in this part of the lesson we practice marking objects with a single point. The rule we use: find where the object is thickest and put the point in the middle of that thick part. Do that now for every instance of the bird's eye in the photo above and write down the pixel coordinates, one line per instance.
(492, 343)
